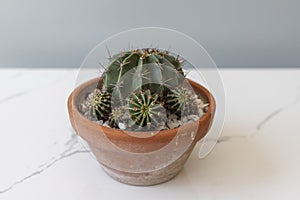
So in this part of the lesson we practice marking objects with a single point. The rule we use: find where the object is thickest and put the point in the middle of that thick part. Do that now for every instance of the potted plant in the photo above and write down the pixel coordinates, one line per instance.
(142, 117)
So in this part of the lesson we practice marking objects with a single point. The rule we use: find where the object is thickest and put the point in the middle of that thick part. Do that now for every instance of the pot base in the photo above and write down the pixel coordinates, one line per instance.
(150, 178)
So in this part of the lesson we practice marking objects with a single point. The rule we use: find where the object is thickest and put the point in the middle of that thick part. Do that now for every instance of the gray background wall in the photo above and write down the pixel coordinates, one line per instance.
(237, 33)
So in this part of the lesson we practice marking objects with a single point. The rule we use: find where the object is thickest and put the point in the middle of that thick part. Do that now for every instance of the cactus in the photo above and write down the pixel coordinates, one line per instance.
(142, 69)
(182, 100)
(100, 104)
(140, 84)
(116, 116)
(145, 109)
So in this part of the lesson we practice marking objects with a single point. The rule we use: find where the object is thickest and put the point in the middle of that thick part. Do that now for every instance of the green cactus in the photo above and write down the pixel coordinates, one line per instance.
(116, 116)
(182, 100)
(145, 109)
(138, 86)
(100, 104)
(142, 69)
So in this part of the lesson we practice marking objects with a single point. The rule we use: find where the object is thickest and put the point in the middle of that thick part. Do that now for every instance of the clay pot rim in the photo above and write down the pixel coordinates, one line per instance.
(121, 134)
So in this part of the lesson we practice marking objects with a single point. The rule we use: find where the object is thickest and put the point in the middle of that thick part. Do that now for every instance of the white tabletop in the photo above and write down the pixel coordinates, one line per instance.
(257, 156)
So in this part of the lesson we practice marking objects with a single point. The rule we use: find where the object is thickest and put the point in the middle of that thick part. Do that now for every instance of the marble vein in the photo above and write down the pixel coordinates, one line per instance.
(276, 112)
(13, 96)
(68, 152)
(228, 138)
(54, 81)
(263, 122)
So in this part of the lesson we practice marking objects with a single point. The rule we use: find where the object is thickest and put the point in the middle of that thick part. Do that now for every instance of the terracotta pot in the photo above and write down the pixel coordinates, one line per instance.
(140, 158)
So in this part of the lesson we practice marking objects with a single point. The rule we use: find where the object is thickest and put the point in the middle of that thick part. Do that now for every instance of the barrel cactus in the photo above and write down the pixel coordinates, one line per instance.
(116, 116)
(142, 69)
(182, 100)
(100, 104)
(145, 109)
(140, 88)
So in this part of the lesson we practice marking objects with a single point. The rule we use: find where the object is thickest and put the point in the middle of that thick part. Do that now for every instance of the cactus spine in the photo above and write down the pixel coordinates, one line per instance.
(144, 108)
(100, 104)
(116, 116)
(145, 69)
(184, 101)
(142, 84)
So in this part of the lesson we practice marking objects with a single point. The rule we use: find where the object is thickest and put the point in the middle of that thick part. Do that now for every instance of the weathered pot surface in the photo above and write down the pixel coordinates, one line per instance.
(147, 159)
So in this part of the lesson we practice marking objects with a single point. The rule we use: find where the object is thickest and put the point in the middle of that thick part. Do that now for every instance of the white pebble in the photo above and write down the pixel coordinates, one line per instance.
(99, 122)
(106, 124)
(193, 117)
(122, 126)
(184, 119)
(172, 117)
(172, 125)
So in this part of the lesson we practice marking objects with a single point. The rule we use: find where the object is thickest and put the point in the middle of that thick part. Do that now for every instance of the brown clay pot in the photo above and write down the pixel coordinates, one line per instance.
(140, 158)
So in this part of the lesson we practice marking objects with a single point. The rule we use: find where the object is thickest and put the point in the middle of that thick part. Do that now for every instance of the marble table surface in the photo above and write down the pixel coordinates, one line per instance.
(256, 157)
